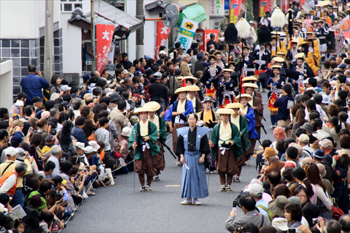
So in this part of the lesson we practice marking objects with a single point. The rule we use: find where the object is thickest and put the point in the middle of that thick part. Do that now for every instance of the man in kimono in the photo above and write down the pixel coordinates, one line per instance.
(194, 98)
(143, 140)
(226, 146)
(153, 107)
(248, 112)
(177, 115)
(242, 125)
(193, 146)
(207, 117)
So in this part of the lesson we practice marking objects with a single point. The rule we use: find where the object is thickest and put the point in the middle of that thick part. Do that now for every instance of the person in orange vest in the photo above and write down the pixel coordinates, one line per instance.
(8, 181)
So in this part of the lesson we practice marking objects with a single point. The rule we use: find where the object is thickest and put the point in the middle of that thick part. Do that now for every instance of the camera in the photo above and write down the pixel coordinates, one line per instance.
(315, 220)
(291, 230)
(58, 196)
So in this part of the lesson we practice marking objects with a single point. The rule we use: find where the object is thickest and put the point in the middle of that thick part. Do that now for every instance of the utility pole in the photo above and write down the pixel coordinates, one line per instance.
(48, 42)
(139, 33)
(92, 36)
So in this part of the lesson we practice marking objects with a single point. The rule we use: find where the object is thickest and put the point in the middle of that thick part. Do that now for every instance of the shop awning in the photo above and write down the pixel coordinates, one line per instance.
(106, 14)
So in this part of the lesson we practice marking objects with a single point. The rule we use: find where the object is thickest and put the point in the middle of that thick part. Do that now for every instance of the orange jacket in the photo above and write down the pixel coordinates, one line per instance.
(4, 177)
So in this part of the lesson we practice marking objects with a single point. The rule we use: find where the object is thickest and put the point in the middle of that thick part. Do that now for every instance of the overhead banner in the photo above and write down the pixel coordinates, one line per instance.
(162, 34)
(263, 7)
(186, 33)
(217, 7)
(234, 10)
(104, 34)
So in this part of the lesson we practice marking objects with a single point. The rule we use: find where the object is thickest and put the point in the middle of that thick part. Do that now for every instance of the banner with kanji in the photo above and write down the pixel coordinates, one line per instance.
(235, 8)
(217, 7)
(263, 7)
(186, 33)
(162, 33)
(104, 34)
(285, 5)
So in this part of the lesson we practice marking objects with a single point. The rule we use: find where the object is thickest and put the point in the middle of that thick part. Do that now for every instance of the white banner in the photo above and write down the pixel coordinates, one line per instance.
(186, 33)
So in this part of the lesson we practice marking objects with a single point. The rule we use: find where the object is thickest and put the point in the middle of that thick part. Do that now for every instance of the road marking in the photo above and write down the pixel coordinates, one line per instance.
(172, 185)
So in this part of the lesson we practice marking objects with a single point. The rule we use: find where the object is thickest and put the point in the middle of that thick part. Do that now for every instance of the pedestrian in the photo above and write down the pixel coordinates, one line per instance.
(193, 147)
(33, 84)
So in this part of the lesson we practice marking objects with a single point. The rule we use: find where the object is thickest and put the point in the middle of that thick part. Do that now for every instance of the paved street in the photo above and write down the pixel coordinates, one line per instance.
(122, 208)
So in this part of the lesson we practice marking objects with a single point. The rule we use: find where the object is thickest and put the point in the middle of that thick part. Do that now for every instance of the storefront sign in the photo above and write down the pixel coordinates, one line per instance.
(217, 8)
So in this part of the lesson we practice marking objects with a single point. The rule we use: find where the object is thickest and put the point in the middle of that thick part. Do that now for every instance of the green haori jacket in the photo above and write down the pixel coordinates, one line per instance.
(135, 136)
(235, 137)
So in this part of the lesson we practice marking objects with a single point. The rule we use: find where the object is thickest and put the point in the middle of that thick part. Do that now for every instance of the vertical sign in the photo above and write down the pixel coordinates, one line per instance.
(161, 36)
(186, 33)
(264, 6)
(217, 8)
(227, 7)
(104, 34)
(234, 10)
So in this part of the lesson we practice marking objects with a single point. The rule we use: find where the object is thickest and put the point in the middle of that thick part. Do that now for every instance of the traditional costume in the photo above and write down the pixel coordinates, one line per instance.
(226, 89)
(183, 106)
(209, 77)
(193, 144)
(226, 142)
(145, 151)
(160, 124)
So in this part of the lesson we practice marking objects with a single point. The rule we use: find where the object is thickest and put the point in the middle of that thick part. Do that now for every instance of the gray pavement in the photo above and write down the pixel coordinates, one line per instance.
(122, 208)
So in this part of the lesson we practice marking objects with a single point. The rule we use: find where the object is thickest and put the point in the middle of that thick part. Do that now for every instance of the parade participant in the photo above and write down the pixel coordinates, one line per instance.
(257, 105)
(302, 69)
(234, 75)
(277, 45)
(209, 77)
(308, 56)
(242, 125)
(207, 117)
(262, 58)
(226, 146)
(292, 52)
(339, 36)
(248, 112)
(226, 89)
(275, 84)
(160, 123)
(266, 20)
(246, 62)
(193, 146)
(176, 116)
(158, 91)
(143, 140)
(194, 98)
(252, 80)
(321, 33)
(219, 61)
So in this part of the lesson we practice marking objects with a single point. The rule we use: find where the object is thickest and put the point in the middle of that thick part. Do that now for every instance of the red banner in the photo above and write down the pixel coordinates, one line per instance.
(272, 100)
(104, 34)
(207, 35)
(285, 5)
(263, 7)
(235, 7)
(162, 34)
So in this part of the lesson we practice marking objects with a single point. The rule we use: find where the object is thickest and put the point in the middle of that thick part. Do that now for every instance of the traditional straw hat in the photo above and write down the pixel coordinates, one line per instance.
(276, 67)
(278, 59)
(280, 53)
(224, 111)
(234, 105)
(153, 106)
(228, 70)
(141, 109)
(181, 89)
(250, 78)
(244, 96)
(303, 42)
(251, 85)
(190, 77)
(192, 88)
(300, 56)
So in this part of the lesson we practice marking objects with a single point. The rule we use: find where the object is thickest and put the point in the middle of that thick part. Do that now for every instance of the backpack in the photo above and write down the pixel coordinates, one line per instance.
(269, 213)
(337, 213)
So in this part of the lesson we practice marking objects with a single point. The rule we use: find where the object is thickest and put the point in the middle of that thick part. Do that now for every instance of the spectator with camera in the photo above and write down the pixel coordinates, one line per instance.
(251, 215)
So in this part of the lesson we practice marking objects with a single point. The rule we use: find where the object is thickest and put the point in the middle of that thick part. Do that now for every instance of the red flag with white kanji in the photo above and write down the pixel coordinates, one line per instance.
(104, 34)
(161, 37)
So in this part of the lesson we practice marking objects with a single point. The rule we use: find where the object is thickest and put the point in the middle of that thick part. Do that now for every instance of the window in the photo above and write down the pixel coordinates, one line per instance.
(70, 5)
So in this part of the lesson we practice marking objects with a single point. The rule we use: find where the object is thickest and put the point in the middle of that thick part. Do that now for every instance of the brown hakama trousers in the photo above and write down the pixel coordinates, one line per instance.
(147, 165)
(227, 163)
(176, 126)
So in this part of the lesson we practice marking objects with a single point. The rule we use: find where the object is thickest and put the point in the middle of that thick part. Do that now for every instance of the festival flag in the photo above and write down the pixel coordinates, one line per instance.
(263, 7)
(301, 88)
(161, 36)
(272, 100)
(235, 7)
(186, 33)
(104, 34)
